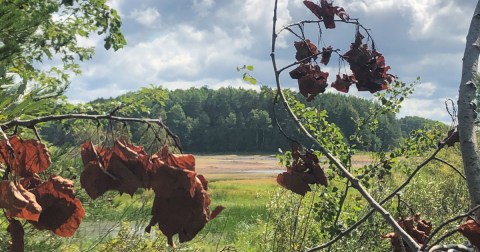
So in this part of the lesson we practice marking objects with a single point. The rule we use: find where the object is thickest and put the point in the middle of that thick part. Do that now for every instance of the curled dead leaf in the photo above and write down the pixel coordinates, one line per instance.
(311, 80)
(304, 171)
(293, 182)
(177, 212)
(306, 51)
(62, 212)
(18, 202)
(326, 55)
(181, 204)
(452, 138)
(326, 12)
(343, 84)
(95, 181)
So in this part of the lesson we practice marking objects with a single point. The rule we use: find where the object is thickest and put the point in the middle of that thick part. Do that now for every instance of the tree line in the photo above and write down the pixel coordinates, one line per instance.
(234, 119)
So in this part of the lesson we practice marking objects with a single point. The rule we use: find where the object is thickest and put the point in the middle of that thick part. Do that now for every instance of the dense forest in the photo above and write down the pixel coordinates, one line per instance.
(234, 120)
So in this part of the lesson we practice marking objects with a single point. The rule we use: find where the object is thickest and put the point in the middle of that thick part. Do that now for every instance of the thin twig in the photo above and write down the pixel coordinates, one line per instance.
(451, 166)
(275, 118)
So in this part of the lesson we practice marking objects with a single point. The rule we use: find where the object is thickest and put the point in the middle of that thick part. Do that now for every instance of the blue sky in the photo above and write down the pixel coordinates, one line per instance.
(192, 43)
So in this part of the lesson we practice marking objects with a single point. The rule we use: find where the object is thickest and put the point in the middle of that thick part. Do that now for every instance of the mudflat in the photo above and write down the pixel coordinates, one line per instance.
(225, 164)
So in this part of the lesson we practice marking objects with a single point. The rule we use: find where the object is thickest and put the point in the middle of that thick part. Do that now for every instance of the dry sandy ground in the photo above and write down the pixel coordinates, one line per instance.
(224, 164)
(248, 166)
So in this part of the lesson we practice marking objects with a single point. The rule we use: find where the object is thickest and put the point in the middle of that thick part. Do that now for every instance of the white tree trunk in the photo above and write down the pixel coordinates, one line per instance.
(467, 110)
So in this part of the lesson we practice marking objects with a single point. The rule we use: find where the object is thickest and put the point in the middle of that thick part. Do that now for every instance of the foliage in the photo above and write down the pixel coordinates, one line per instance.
(40, 49)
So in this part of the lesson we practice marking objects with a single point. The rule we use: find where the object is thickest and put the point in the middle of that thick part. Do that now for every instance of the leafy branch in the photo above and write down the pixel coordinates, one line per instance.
(353, 180)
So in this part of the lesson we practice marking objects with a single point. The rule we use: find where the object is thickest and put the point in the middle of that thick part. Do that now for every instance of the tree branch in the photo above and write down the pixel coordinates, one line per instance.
(390, 196)
(353, 180)
(451, 166)
(33, 122)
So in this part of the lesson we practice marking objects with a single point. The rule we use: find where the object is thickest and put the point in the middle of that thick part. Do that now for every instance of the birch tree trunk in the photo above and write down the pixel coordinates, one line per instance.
(467, 110)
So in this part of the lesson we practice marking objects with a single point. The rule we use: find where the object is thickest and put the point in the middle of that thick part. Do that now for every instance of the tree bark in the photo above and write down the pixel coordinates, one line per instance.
(467, 110)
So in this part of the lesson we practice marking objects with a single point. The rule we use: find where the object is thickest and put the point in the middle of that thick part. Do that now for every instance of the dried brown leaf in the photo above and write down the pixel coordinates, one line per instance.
(62, 212)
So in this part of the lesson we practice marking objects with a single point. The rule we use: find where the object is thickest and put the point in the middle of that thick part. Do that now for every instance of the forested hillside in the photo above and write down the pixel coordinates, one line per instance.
(235, 120)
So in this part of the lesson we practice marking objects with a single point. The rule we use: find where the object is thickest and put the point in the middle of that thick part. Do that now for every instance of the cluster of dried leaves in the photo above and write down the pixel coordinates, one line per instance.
(303, 172)
(311, 80)
(369, 72)
(416, 227)
(182, 203)
(47, 205)
(368, 68)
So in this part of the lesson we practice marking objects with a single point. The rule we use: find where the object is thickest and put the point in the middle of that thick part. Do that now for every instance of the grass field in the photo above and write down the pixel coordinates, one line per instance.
(243, 184)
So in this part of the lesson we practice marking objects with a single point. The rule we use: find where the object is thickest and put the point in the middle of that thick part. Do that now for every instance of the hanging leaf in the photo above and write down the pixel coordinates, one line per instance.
(343, 84)
(177, 212)
(61, 213)
(181, 204)
(452, 138)
(18, 202)
(29, 157)
(294, 182)
(313, 83)
(326, 55)
(416, 227)
(326, 12)
(306, 51)
(303, 171)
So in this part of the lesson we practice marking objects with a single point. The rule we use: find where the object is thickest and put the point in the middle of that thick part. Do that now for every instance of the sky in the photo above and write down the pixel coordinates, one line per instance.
(193, 43)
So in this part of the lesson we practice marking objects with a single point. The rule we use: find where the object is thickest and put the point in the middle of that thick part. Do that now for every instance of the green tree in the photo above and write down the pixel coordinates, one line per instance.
(38, 33)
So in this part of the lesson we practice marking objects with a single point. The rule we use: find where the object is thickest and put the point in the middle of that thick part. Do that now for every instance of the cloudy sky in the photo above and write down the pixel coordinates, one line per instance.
(191, 43)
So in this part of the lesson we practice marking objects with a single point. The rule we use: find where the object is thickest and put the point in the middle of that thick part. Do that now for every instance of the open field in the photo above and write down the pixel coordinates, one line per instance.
(243, 184)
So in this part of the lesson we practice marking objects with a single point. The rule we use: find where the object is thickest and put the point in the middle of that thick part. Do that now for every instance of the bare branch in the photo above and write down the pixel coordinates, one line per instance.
(451, 166)
(33, 122)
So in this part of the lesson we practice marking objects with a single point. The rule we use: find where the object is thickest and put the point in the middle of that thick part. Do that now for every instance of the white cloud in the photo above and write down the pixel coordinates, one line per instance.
(427, 108)
(147, 17)
(427, 17)
(425, 89)
(203, 43)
